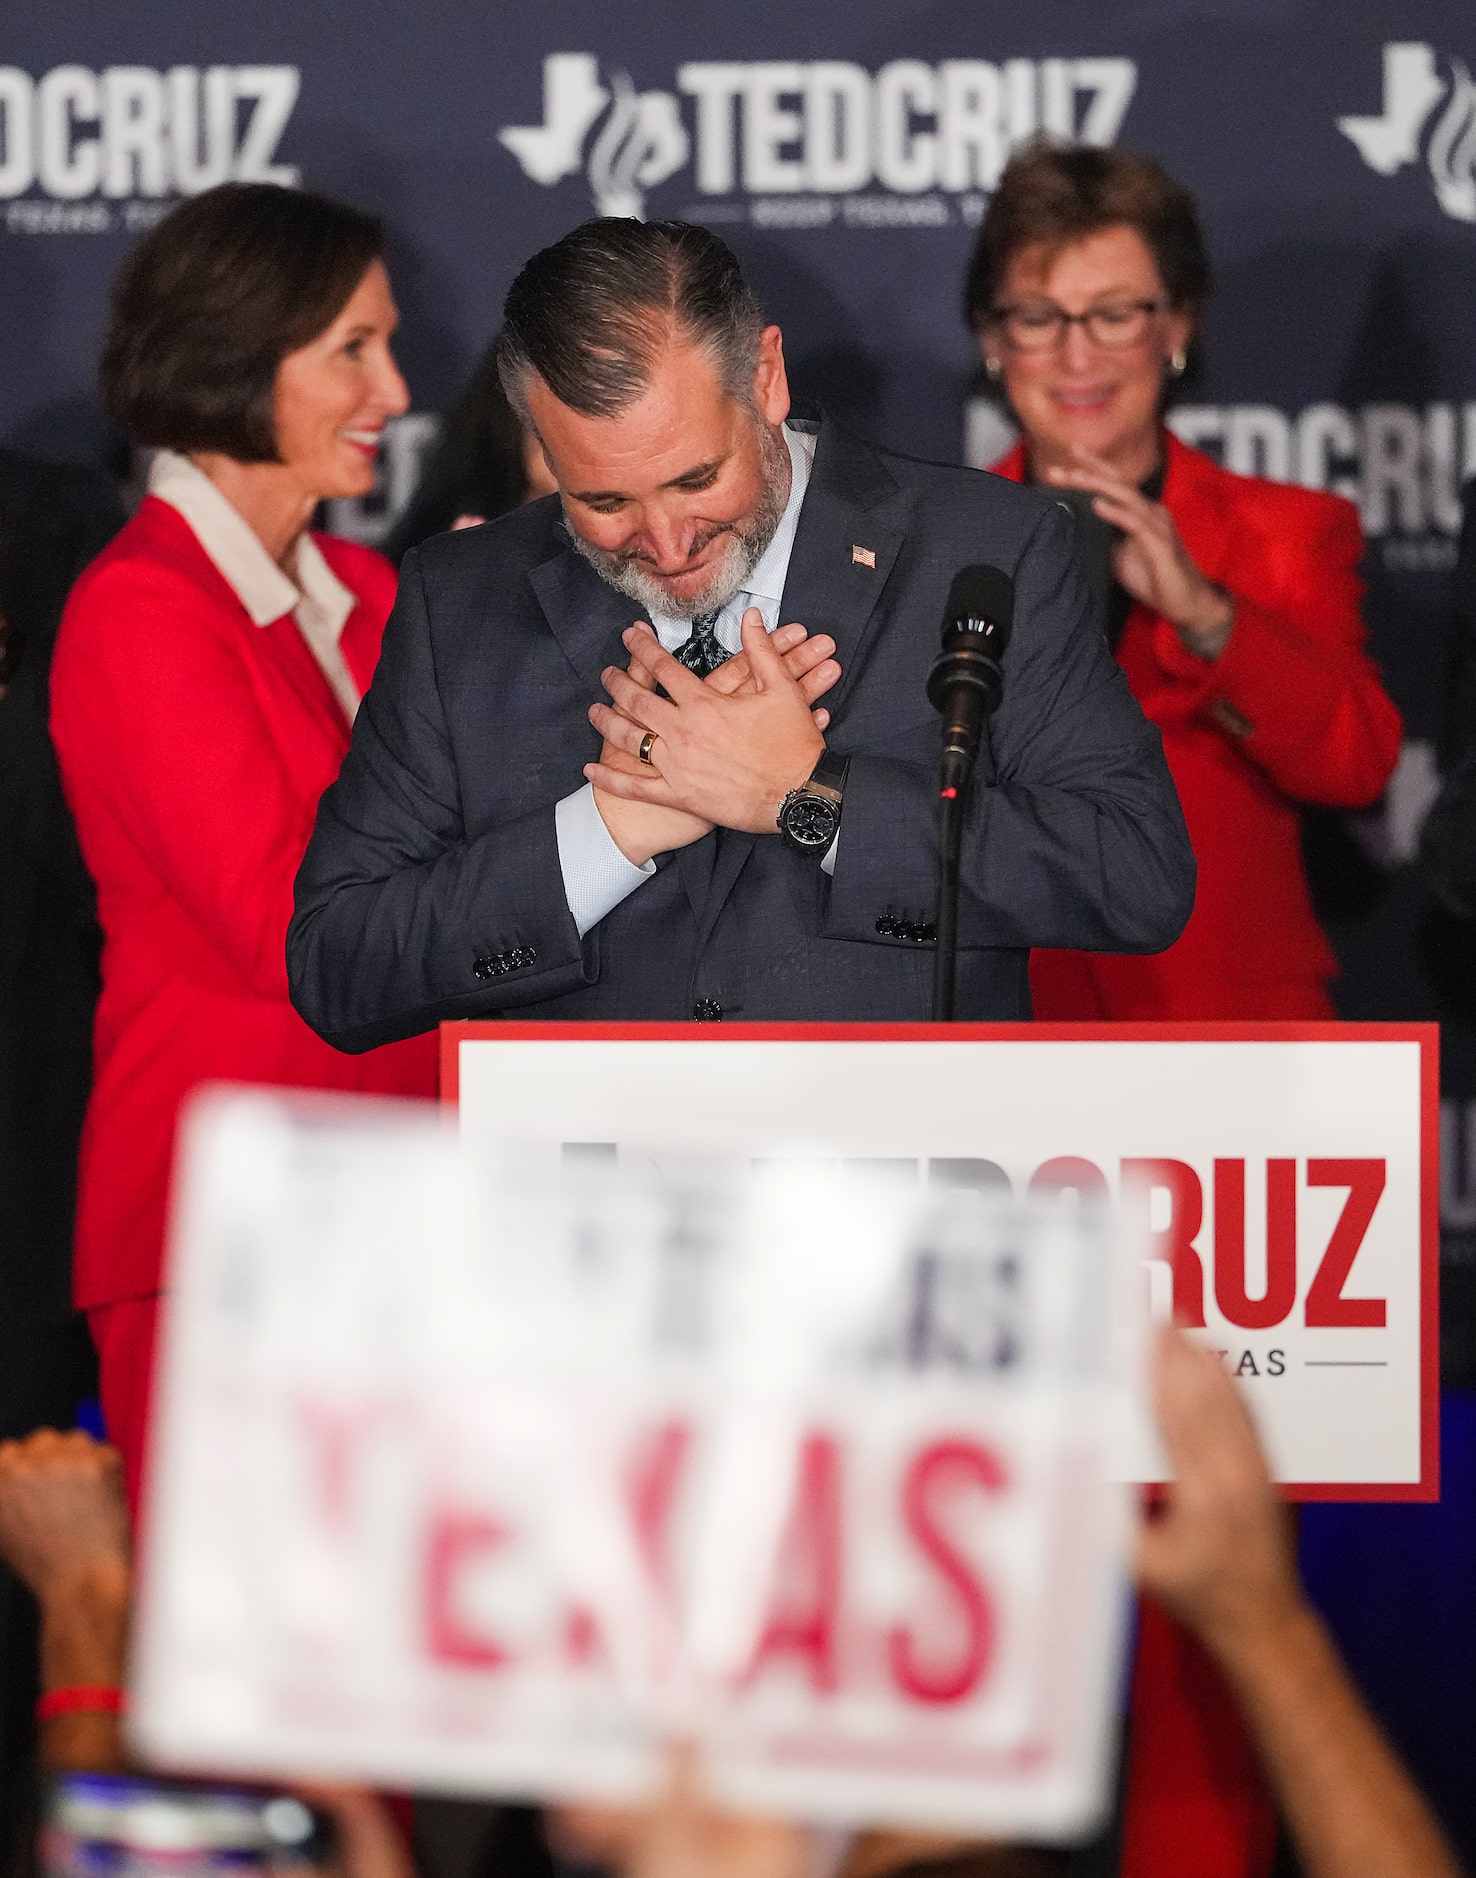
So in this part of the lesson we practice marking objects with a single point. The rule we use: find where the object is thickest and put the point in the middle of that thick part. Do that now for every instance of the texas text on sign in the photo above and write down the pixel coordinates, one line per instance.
(475, 1475)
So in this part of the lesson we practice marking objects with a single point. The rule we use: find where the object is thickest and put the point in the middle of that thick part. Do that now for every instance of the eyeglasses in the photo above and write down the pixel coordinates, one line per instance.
(1041, 326)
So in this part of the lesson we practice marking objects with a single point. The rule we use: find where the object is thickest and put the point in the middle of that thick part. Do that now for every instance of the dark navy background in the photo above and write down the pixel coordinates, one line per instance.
(1338, 286)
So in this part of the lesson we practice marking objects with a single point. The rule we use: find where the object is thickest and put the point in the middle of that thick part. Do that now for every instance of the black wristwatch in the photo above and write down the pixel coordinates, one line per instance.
(809, 817)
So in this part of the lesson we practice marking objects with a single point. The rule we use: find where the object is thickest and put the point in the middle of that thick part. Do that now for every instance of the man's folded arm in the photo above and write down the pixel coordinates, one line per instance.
(1078, 842)
(597, 875)
(400, 921)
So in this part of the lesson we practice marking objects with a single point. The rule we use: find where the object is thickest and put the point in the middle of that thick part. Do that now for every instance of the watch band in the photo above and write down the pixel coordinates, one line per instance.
(830, 771)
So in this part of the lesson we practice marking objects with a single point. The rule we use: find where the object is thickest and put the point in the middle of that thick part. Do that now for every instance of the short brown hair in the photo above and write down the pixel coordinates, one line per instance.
(589, 314)
(209, 303)
(1054, 195)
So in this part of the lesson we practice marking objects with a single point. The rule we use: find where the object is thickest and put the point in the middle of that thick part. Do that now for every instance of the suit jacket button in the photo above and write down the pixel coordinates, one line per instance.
(707, 1011)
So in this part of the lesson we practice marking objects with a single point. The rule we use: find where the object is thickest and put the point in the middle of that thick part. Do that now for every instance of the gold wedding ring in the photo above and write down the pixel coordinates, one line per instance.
(647, 744)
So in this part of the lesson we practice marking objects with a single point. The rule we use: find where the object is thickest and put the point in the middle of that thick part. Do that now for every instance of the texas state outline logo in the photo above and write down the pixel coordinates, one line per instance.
(1425, 114)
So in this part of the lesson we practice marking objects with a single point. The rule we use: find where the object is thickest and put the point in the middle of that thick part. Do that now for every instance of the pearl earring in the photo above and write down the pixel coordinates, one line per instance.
(991, 366)
(1179, 363)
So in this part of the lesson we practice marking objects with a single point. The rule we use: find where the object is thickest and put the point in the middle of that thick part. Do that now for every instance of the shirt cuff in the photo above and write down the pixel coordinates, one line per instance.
(827, 865)
(597, 876)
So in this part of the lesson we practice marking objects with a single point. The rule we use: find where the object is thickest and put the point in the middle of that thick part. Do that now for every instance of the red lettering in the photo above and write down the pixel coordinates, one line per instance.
(651, 1485)
(1173, 1243)
(654, 1474)
(455, 1538)
(334, 1433)
(1276, 1305)
(940, 1470)
(1327, 1308)
(581, 1634)
(1068, 1171)
(810, 1554)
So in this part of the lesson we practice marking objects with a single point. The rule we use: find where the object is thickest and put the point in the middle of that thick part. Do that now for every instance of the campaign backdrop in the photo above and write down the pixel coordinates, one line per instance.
(847, 152)
(848, 156)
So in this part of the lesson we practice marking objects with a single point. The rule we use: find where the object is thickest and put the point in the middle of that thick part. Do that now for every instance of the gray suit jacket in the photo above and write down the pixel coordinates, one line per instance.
(432, 888)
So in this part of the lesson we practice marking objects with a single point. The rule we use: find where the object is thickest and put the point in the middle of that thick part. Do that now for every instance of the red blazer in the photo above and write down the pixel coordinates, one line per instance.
(193, 747)
(1292, 711)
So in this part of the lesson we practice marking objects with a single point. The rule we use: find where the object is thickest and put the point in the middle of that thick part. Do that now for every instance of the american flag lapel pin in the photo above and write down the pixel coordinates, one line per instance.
(862, 557)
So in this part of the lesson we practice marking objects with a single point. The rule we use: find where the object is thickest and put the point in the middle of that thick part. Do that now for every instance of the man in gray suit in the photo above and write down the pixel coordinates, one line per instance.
(588, 784)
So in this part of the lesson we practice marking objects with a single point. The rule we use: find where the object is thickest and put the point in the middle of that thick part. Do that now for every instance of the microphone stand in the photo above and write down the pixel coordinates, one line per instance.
(952, 800)
(965, 685)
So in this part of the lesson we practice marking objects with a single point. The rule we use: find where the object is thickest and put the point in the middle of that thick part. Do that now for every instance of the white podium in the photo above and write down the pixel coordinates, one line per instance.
(1287, 1174)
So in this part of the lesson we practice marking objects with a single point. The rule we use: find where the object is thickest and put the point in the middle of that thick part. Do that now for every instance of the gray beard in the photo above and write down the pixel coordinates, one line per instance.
(743, 550)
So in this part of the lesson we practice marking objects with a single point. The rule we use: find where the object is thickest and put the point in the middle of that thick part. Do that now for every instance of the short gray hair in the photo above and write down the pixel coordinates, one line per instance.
(590, 314)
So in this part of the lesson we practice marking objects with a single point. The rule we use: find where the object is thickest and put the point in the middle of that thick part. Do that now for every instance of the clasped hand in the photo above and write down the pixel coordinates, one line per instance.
(727, 748)
(1151, 560)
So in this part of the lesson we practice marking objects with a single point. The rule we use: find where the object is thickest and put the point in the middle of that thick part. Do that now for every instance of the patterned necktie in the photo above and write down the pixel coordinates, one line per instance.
(702, 651)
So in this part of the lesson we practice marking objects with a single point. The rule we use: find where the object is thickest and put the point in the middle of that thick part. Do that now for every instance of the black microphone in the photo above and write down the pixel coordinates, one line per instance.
(967, 681)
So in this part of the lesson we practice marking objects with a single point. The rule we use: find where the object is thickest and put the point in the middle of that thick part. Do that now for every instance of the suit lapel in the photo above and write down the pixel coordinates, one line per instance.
(851, 502)
(279, 645)
(586, 616)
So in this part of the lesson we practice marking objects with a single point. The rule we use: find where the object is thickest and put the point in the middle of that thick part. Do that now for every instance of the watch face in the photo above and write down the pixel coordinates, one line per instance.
(809, 821)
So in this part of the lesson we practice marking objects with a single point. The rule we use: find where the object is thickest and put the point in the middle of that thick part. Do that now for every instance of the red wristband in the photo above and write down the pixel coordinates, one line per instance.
(83, 1696)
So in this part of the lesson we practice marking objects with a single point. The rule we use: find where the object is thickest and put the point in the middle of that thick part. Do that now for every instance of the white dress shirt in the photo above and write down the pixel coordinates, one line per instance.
(318, 601)
(597, 876)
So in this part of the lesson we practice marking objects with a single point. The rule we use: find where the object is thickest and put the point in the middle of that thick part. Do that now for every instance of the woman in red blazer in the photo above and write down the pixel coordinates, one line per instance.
(205, 680)
(1232, 603)
(1232, 607)
(1292, 710)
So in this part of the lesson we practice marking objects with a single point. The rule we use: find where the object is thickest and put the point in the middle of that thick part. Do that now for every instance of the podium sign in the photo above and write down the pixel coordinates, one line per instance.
(1286, 1176)
(475, 1475)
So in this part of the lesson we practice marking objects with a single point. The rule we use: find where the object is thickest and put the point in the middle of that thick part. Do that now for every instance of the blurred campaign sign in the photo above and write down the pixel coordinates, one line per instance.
(481, 1471)
(1283, 1177)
